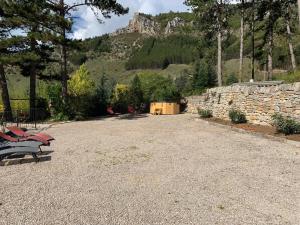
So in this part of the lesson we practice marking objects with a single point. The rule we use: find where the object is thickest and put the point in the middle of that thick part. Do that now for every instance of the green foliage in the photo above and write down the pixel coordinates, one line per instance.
(120, 98)
(136, 93)
(237, 116)
(231, 79)
(78, 58)
(205, 113)
(97, 44)
(102, 97)
(183, 84)
(60, 117)
(286, 125)
(204, 76)
(80, 83)
(160, 52)
(158, 88)
(57, 108)
(290, 77)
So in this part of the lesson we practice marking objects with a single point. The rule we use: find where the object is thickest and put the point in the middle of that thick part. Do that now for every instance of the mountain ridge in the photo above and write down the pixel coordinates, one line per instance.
(150, 25)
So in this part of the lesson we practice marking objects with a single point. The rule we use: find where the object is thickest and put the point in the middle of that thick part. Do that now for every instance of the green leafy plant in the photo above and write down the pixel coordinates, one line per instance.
(231, 79)
(205, 113)
(285, 125)
(237, 116)
(81, 83)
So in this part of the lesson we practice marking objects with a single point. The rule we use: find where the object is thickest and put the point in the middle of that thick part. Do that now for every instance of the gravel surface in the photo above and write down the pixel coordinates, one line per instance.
(153, 170)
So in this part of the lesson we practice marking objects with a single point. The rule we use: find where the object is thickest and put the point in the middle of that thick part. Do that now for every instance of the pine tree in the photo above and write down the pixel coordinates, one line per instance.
(213, 19)
(136, 93)
(242, 40)
(36, 19)
(64, 10)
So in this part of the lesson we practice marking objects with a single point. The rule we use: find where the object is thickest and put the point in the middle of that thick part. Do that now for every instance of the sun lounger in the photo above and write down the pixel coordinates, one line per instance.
(29, 138)
(34, 144)
(21, 133)
(8, 151)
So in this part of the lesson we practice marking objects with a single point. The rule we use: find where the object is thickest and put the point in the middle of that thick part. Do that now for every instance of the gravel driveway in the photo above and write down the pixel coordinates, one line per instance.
(153, 170)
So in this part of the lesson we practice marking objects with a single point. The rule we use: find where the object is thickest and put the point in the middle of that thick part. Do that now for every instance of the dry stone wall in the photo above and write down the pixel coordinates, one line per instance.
(258, 103)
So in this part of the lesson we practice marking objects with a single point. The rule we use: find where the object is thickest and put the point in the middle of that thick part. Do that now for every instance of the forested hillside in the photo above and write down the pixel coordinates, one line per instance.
(122, 56)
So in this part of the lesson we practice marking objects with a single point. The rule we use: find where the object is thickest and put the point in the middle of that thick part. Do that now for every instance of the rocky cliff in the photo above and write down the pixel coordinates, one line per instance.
(145, 24)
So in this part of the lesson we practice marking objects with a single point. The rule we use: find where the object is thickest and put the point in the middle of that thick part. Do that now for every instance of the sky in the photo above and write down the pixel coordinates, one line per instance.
(86, 25)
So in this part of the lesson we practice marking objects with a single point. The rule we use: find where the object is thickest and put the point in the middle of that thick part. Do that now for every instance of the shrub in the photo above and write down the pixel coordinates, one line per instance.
(237, 116)
(204, 76)
(81, 83)
(231, 79)
(78, 58)
(120, 98)
(60, 117)
(157, 88)
(285, 125)
(136, 93)
(205, 113)
(58, 109)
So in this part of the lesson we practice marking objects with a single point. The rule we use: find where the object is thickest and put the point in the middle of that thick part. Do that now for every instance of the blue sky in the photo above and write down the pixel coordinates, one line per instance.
(87, 25)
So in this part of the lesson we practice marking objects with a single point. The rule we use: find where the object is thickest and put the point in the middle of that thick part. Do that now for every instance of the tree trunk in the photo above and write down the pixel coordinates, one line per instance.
(32, 85)
(64, 75)
(270, 56)
(64, 72)
(5, 95)
(289, 36)
(253, 41)
(299, 12)
(219, 59)
(241, 44)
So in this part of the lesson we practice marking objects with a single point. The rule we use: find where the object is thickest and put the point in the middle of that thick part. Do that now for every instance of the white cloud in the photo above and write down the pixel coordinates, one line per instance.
(87, 25)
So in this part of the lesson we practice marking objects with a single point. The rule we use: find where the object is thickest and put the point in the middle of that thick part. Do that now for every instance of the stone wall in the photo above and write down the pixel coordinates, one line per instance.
(259, 103)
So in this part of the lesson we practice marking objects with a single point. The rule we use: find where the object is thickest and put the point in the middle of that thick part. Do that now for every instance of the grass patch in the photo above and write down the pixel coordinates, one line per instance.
(290, 77)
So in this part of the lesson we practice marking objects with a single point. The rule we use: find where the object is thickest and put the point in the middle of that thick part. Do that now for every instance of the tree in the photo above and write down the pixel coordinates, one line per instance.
(31, 51)
(120, 98)
(204, 76)
(81, 83)
(298, 1)
(270, 10)
(106, 8)
(13, 47)
(136, 93)
(286, 11)
(241, 41)
(213, 18)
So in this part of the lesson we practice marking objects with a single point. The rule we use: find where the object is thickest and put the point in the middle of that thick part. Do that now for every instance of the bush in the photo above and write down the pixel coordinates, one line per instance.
(237, 116)
(204, 76)
(231, 79)
(120, 98)
(78, 58)
(157, 88)
(136, 93)
(205, 113)
(285, 125)
(81, 83)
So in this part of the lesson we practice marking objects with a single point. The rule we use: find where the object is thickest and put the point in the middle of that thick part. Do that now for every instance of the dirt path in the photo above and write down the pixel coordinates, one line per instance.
(153, 170)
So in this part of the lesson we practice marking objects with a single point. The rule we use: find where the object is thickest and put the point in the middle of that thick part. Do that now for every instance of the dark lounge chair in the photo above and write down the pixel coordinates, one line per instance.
(34, 144)
(21, 133)
(29, 138)
(18, 150)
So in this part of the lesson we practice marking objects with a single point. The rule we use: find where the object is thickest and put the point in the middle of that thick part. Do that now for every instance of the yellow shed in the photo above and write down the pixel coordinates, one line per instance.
(164, 108)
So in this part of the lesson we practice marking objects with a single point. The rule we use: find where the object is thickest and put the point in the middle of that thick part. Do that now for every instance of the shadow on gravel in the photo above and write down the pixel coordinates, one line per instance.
(20, 159)
(132, 116)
